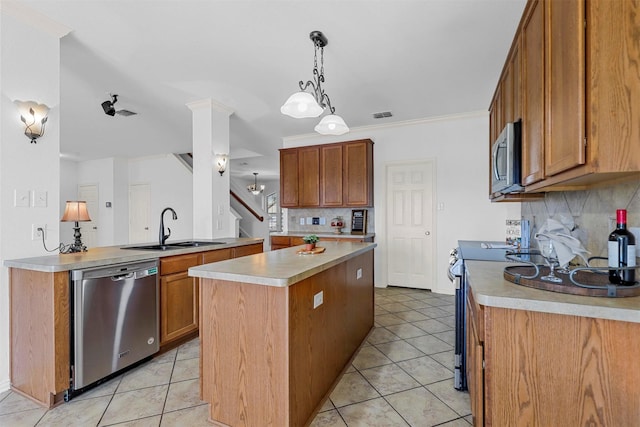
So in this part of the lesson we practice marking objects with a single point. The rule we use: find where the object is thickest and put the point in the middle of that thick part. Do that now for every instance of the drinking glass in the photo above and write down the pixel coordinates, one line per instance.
(549, 253)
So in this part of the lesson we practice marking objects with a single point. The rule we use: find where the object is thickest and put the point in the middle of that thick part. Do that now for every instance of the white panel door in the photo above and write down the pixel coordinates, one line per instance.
(140, 213)
(89, 230)
(409, 225)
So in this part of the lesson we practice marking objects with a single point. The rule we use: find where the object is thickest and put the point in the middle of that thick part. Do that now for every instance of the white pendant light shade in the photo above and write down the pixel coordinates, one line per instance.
(332, 124)
(301, 105)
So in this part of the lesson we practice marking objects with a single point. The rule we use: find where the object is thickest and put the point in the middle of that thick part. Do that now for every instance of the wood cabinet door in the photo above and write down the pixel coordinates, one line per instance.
(565, 86)
(289, 178)
(474, 363)
(178, 306)
(241, 251)
(215, 256)
(331, 175)
(533, 93)
(309, 176)
(358, 173)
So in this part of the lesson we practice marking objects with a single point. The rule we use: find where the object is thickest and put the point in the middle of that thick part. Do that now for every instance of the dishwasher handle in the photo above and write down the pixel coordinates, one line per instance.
(120, 277)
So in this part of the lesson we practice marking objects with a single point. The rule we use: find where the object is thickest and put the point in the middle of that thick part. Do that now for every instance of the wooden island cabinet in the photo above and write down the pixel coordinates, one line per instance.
(541, 358)
(279, 330)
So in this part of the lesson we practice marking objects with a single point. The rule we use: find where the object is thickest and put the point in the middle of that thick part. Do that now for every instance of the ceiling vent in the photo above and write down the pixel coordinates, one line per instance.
(382, 115)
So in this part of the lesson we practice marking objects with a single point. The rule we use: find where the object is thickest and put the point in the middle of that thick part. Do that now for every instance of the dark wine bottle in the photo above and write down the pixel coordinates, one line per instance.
(622, 251)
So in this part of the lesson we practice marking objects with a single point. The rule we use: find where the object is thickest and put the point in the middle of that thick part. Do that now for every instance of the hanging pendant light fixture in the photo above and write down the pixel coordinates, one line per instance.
(254, 188)
(304, 104)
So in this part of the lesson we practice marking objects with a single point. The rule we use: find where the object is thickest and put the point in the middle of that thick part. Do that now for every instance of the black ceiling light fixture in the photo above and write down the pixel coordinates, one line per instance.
(110, 109)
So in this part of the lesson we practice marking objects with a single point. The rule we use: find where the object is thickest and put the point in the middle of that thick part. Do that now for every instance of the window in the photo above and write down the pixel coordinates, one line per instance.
(273, 212)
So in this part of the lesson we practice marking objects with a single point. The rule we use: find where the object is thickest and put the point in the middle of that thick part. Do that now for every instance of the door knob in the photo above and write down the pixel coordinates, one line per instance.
(427, 233)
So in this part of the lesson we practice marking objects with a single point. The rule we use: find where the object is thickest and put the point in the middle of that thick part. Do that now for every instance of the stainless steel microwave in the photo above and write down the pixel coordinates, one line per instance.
(506, 155)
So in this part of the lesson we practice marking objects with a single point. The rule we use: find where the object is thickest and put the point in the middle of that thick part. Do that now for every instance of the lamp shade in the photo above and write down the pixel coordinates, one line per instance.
(76, 211)
(301, 105)
(332, 124)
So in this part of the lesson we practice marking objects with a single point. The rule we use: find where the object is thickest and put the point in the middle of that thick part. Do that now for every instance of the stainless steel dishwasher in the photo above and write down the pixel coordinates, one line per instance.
(115, 320)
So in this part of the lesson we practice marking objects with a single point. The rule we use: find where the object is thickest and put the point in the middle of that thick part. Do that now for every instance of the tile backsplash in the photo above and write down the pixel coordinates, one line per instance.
(294, 216)
(593, 211)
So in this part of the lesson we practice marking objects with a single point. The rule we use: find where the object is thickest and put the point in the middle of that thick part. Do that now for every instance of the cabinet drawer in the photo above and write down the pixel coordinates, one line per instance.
(178, 263)
(247, 250)
(214, 256)
(295, 241)
(280, 240)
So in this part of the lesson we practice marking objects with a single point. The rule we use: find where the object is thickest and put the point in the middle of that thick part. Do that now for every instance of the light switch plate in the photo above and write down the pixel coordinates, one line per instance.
(359, 273)
(40, 199)
(21, 198)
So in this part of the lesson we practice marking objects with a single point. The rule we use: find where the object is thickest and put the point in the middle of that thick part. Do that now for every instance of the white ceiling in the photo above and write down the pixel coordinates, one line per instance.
(415, 58)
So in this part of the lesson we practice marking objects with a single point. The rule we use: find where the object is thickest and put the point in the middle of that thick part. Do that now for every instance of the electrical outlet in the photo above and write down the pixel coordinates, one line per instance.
(318, 299)
(301, 221)
(37, 234)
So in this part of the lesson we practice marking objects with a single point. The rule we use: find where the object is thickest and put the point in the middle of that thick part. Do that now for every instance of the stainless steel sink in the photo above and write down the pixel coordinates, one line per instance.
(153, 247)
(194, 243)
(176, 245)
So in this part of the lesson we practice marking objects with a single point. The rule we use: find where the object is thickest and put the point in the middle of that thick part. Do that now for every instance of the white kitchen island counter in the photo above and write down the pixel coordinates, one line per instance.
(492, 290)
(283, 267)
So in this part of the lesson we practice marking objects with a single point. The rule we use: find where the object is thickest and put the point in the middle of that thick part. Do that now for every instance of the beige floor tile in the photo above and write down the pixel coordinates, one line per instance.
(446, 358)
(421, 408)
(457, 400)
(469, 419)
(460, 422)
(425, 370)
(383, 300)
(399, 350)
(400, 298)
(327, 406)
(350, 369)
(429, 344)
(183, 395)
(4, 394)
(186, 369)
(380, 335)
(377, 310)
(406, 330)
(450, 321)
(192, 417)
(448, 336)
(451, 309)
(388, 319)
(411, 316)
(372, 413)
(27, 418)
(433, 312)
(368, 357)
(149, 375)
(352, 388)
(16, 403)
(389, 379)
(135, 404)
(189, 350)
(395, 307)
(106, 389)
(167, 357)
(76, 413)
(431, 326)
(328, 419)
(142, 422)
(415, 304)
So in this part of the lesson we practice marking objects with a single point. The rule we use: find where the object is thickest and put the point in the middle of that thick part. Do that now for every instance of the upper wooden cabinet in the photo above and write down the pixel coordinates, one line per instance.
(579, 93)
(329, 175)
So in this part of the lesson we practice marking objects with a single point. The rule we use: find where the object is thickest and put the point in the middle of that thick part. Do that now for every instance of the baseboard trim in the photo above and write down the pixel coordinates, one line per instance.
(4, 385)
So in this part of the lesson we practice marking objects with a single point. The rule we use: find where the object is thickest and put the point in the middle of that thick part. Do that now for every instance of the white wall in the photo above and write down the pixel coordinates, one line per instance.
(68, 191)
(25, 166)
(460, 148)
(171, 186)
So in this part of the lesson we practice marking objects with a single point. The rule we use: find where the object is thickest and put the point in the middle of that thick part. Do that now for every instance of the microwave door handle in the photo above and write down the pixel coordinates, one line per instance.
(496, 147)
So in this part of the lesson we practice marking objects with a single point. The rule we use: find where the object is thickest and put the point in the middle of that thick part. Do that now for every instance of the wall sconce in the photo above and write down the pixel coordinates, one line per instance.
(221, 162)
(34, 117)
(73, 212)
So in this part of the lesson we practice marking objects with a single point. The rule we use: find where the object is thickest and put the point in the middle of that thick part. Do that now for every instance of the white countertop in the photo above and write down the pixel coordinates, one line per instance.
(282, 267)
(492, 290)
(108, 255)
(321, 235)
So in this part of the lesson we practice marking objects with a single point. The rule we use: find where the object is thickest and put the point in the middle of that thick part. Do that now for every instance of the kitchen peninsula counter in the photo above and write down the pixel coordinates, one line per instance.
(279, 328)
(107, 255)
(542, 358)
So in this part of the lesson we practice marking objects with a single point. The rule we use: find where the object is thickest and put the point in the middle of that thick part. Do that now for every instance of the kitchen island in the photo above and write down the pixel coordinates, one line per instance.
(279, 328)
(537, 357)
(41, 310)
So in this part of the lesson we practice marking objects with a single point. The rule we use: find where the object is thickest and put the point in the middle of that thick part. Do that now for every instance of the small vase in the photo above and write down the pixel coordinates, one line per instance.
(309, 246)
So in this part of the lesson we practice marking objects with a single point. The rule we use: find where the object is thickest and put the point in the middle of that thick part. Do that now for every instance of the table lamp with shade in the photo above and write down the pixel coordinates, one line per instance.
(76, 211)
